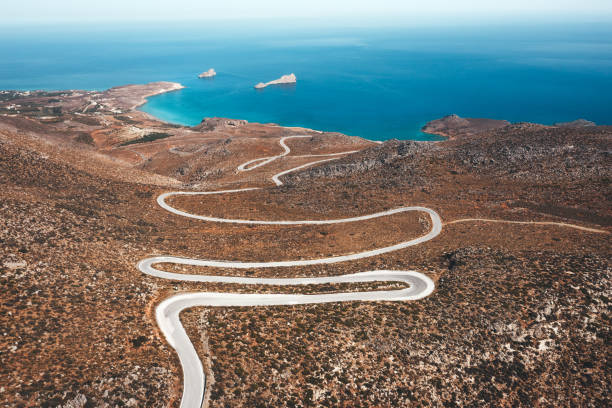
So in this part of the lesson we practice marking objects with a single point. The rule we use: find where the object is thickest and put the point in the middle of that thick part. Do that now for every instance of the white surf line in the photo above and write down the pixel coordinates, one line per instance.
(316, 131)
(168, 312)
(292, 127)
(557, 224)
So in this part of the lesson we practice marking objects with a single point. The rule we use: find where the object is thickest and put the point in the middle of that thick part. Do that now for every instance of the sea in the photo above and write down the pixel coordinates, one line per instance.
(378, 82)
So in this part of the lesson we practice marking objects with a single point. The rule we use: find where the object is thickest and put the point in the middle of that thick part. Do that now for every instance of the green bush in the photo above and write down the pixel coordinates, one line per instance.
(147, 138)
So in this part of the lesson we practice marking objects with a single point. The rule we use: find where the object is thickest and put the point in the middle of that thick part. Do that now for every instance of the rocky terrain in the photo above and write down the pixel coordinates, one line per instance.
(519, 317)
(576, 123)
(208, 74)
(453, 125)
(285, 79)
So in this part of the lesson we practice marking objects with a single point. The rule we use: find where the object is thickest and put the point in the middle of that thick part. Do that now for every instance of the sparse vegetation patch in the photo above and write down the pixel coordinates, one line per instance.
(147, 138)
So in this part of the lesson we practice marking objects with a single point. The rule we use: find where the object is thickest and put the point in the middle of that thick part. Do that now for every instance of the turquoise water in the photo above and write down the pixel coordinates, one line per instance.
(378, 83)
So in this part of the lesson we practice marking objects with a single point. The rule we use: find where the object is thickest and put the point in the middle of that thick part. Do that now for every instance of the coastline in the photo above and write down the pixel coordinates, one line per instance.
(290, 127)
(66, 162)
(145, 97)
(144, 100)
(132, 97)
(158, 88)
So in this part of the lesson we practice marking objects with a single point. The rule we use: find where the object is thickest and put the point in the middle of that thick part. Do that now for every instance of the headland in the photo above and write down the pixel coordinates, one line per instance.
(285, 79)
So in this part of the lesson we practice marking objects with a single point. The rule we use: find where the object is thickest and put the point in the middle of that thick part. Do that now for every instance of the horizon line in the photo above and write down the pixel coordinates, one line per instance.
(421, 19)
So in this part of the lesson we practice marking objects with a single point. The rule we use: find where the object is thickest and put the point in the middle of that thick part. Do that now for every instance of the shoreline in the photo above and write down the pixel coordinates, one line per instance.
(144, 101)
(145, 98)
(277, 125)
(133, 97)
(136, 100)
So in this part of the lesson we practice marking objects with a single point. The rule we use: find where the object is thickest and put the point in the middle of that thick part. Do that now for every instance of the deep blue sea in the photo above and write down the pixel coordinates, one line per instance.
(379, 83)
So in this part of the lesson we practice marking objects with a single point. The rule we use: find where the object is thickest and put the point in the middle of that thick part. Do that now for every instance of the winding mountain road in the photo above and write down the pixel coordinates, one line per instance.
(556, 224)
(168, 312)
(262, 161)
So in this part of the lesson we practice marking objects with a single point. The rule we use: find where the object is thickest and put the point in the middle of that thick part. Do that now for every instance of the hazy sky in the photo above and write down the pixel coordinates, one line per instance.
(114, 10)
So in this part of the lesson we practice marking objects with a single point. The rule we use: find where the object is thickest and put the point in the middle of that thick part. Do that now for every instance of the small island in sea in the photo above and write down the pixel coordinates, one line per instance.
(285, 79)
(208, 74)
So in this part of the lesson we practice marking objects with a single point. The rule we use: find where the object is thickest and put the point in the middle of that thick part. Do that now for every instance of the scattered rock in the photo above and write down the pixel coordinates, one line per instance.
(77, 402)
(15, 265)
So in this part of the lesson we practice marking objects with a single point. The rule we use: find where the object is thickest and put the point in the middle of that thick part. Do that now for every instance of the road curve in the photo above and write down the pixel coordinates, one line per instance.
(146, 265)
(168, 312)
(161, 200)
(262, 161)
(556, 224)
(276, 178)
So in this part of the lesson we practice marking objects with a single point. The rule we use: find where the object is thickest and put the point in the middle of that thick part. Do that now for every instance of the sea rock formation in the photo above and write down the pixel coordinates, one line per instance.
(285, 79)
(208, 74)
(453, 125)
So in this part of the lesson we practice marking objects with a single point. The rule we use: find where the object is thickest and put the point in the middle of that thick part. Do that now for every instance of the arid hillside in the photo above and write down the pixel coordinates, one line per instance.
(519, 315)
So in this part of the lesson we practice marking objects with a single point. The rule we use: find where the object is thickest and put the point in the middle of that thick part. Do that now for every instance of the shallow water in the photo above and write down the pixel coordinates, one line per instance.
(378, 83)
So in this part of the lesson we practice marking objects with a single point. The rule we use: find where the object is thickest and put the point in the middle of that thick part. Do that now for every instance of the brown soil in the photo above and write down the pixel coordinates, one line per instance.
(520, 315)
